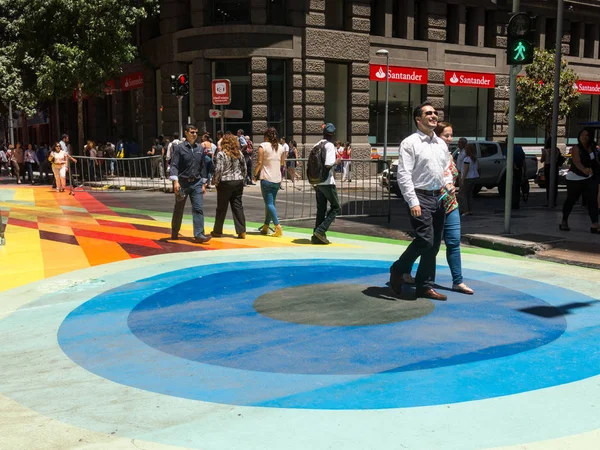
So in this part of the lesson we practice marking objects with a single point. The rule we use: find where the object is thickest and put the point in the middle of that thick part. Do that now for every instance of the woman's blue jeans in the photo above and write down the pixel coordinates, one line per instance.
(269, 192)
(452, 240)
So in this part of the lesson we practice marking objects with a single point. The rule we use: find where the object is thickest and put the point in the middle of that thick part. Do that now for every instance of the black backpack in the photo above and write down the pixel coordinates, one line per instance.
(315, 167)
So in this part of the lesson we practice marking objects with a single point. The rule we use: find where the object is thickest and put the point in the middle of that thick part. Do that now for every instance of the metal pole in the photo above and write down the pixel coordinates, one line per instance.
(510, 144)
(385, 120)
(179, 103)
(554, 132)
(222, 119)
(10, 123)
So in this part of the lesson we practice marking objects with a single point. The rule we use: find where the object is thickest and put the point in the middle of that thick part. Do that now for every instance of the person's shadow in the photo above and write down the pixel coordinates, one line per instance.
(386, 293)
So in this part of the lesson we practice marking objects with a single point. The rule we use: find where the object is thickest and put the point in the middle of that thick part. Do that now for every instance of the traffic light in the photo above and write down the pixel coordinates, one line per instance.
(174, 84)
(183, 86)
(521, 39)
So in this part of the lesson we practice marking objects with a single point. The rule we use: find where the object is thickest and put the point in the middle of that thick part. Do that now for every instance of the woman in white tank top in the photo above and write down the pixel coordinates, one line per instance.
(271, 157)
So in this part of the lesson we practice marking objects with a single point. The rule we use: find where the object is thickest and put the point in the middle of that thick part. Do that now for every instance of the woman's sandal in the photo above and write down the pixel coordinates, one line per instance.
(463, 289)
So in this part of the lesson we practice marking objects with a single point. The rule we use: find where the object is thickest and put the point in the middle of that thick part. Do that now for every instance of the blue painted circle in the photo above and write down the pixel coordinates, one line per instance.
(220, 350)
(209, 321)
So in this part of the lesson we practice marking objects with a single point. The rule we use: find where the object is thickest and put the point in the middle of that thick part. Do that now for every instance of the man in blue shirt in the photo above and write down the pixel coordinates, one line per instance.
(188, 173)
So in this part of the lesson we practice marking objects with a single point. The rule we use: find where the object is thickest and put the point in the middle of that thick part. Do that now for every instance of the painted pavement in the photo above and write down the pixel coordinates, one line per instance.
(115, 336)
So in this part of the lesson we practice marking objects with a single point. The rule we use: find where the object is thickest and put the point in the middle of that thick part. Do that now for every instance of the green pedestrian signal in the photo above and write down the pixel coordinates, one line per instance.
(521, 52)
(521, 37)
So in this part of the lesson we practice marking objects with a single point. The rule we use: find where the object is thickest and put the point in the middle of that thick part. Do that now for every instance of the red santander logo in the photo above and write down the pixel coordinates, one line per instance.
(397, 74)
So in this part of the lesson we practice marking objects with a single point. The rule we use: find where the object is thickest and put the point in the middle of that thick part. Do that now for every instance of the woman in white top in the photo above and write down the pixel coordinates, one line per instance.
(469, 175)
(271, 158)
(58, 158)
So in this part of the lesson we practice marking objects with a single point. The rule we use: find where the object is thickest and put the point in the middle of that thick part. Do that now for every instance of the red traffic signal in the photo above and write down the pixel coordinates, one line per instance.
(183, 86)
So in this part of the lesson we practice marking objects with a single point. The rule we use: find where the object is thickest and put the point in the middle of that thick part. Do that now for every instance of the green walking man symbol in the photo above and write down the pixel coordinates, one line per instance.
(520, 51)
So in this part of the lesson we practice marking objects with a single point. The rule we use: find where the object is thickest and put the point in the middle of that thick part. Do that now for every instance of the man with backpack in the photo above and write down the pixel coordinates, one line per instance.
(320, 165)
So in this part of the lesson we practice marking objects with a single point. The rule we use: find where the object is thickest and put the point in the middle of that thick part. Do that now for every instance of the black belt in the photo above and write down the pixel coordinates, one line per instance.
(433, 193)
(189, 180)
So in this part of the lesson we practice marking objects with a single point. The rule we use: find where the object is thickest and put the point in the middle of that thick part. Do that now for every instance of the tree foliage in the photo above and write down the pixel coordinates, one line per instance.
(535, 91)
(49, 47)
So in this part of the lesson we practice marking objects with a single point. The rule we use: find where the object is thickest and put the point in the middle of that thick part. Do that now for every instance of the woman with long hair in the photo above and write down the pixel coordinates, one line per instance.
(469, 174)
(30, 158)
(452, 223)
(58, 157)
(229, 176)
(271, 158)
(580, 180)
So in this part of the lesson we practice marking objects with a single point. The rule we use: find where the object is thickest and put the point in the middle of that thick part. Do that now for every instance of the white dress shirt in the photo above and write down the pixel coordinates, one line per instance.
(423, 163)
(460, 160)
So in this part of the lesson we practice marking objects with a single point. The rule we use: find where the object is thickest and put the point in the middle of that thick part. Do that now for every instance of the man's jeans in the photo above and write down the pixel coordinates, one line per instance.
(269, 192)
(194, 191)
(326, 193)
(452, 241)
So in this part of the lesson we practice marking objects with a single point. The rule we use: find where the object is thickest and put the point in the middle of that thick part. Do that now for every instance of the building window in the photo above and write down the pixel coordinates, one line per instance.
(467, 110)
(276, 95)
(400, 20)
(334, 14)
(277, 12)
(238, 72)
(575, 39)
(471, 27)
(550, 34)
(226, 11)
(336, 98)
(452, 23)
(420, 21)
(403, 98)
(378, 18)
(585, 111)
(590, 39)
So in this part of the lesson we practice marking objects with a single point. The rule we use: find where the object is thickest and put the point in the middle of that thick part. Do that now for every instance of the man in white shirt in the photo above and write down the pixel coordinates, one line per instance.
(423, 169)
(326, 191)
(171, 148)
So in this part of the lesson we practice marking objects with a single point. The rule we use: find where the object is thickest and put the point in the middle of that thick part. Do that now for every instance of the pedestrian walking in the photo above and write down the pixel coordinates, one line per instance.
(44, 166)
(170, 147)
(423, 171)
(229, 176)
(326, 191)
(469, 177)
(188, 173)
(156, 153)
(346, 156)
(452, 223)
(581, 180)
(16, 161)
(59, 158)
(271, 157)
(30, 159)
(462, 143)
(292, 162)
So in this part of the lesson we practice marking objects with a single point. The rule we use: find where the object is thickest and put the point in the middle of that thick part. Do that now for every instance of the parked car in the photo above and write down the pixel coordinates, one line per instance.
(540, 178)
(492, 168)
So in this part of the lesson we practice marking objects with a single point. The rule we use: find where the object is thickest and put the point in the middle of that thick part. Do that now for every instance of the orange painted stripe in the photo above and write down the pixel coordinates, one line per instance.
(100, 251)
(114, 237)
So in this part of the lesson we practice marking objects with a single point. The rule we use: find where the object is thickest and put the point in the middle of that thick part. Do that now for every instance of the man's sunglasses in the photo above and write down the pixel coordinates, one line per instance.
(430, 113)
(192, 132)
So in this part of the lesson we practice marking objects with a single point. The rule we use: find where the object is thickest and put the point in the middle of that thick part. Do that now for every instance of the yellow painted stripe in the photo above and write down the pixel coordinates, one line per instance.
(61, 258)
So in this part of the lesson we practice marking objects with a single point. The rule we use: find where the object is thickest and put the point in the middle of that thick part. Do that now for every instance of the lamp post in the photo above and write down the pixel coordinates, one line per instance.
(385, 53)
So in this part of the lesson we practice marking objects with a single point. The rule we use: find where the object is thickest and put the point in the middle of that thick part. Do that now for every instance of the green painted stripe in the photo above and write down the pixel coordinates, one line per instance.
(357, 237)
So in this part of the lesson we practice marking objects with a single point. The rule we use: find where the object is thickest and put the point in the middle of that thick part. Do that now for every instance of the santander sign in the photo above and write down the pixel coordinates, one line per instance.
(398, 74)
(470, 79)
(588, 87)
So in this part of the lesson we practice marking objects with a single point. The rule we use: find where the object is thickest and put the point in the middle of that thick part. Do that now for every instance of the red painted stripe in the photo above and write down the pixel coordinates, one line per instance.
(92, 205)
(110, 223)
(22, 223)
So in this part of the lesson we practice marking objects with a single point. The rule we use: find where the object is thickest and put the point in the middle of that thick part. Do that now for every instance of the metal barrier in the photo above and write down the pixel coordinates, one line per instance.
(147, 173)
(363, 196)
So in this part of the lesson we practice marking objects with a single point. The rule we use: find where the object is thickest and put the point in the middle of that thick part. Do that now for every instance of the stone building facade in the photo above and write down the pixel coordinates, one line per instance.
(295, 64)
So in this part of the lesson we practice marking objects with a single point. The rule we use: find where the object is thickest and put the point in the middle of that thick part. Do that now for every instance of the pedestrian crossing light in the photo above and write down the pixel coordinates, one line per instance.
(521, 37)
(183, 87)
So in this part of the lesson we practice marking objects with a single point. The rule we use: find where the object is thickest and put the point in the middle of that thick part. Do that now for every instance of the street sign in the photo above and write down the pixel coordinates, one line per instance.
(214, 113)
(234, 114)
(221, 92)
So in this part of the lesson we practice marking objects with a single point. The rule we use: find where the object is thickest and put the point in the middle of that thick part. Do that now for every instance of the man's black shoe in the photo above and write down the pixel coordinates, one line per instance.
(174, 237)
(396, 284)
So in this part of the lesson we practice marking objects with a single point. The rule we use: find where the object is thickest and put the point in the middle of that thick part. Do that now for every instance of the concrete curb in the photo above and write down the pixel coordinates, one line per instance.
(507, 244)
